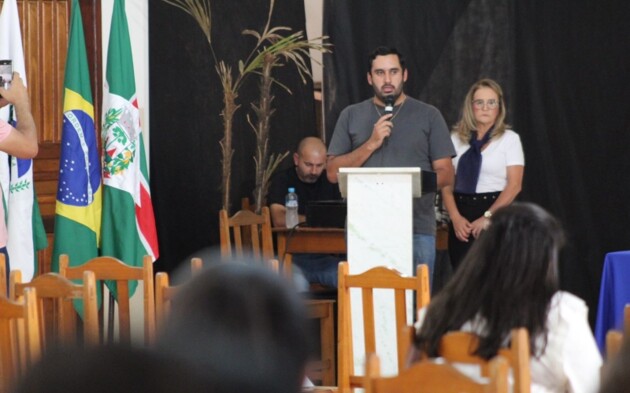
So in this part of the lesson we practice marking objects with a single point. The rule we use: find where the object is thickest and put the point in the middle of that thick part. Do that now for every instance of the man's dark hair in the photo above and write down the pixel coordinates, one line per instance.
(384, 51)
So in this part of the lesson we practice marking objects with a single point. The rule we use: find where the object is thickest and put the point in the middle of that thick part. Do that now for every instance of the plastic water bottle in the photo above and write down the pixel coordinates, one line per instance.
(291, 204)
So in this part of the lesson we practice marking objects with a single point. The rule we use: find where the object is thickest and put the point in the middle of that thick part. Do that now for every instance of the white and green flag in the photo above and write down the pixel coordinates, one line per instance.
(128, 225)
(26, 232)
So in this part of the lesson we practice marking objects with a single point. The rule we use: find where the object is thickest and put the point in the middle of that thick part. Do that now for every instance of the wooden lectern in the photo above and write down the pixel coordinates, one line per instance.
(379, 232)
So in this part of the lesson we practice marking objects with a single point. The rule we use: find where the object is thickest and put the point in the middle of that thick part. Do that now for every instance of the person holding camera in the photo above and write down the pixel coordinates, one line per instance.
(19, 141)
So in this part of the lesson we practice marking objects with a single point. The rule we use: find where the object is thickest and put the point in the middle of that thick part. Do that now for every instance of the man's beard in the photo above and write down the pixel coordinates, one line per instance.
(306, 178)
(395, 94)
(310, 178)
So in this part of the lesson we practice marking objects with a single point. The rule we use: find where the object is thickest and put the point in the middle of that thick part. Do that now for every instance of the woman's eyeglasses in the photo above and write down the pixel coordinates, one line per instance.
(491, 104)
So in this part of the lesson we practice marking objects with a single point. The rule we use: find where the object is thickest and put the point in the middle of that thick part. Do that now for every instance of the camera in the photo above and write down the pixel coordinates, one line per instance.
(6, 73)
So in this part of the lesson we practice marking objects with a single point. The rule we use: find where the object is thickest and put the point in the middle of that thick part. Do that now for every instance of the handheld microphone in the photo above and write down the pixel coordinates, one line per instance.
(389, 105)
(389, 109)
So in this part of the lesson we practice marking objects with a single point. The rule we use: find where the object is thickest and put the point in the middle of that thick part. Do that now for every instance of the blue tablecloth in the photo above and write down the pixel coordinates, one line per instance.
(614, 294)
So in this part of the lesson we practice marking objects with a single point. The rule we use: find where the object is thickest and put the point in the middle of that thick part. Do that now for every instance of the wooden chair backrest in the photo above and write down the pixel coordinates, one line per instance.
(164, 293)
(614, 338)
(196, 266)
(246, 234)
(460, 347)
(3, 275)
(20, 337)
(273, 264)
(431, 376)
(113, 269)
(376, 278)
(61, 292)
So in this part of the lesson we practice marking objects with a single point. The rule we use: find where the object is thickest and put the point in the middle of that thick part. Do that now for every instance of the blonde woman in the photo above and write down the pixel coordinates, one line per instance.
(489, 166)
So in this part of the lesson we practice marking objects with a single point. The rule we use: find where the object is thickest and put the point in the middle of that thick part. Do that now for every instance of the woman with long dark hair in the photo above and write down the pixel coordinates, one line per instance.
(509, 279)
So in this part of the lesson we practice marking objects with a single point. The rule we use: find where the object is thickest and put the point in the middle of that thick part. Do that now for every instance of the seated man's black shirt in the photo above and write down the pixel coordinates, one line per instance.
(321, 190)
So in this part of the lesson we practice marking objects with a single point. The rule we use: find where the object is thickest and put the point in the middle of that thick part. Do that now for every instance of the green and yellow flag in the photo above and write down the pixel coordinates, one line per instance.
(78, 210)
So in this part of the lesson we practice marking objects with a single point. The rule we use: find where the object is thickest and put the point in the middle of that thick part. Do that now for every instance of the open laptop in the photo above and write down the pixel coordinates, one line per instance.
(326, 214)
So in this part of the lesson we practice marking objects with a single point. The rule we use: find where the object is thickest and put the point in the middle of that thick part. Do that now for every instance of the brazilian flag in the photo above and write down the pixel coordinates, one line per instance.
(78, 209)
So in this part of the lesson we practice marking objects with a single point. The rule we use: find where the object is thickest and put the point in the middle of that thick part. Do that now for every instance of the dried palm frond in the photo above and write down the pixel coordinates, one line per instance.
(272, 49)
(200, 11)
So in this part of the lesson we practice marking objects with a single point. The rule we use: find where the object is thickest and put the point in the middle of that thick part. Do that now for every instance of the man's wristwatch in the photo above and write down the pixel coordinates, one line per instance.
(487, 214)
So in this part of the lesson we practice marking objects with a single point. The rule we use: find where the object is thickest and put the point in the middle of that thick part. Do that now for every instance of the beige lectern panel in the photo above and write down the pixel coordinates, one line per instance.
(380, 230)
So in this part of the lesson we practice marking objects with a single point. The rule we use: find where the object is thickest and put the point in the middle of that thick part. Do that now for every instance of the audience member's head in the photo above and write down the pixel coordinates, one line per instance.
(507, 278)
(108, 369)
(242, 327)
(310, 159)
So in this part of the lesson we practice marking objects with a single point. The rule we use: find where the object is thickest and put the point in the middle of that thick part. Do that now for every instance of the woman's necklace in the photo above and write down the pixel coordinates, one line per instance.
(395, 114)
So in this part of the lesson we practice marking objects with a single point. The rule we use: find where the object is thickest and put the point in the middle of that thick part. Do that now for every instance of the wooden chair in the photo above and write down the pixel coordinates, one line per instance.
(459, 347)
(323, 310)
(196, 265)
(20, 337)
(273, 264)
(614, 338)
(246, 234)
(164, 292)
(3, 275)
(375, 278)
(431, 376)
(109, 268)
(60, 292)
(163, 295)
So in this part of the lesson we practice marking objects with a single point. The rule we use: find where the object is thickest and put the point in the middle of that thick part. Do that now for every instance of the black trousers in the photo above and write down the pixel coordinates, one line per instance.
(470, 206)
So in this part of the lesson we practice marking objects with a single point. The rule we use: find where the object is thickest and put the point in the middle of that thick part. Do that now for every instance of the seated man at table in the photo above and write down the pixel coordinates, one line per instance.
(308, 177)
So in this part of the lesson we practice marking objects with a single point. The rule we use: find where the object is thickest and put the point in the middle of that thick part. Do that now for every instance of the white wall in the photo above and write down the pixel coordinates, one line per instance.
(314, 10)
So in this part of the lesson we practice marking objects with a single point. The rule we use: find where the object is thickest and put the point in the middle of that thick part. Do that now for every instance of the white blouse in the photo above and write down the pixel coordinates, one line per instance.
(571, 361)
(496, 157)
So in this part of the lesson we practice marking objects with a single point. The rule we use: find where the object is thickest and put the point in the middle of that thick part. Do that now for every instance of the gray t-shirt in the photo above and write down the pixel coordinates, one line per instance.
(419, 136)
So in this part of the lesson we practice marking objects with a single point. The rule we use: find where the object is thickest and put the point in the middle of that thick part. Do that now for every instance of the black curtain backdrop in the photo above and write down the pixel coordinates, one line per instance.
(186, 100)
(564, 68)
